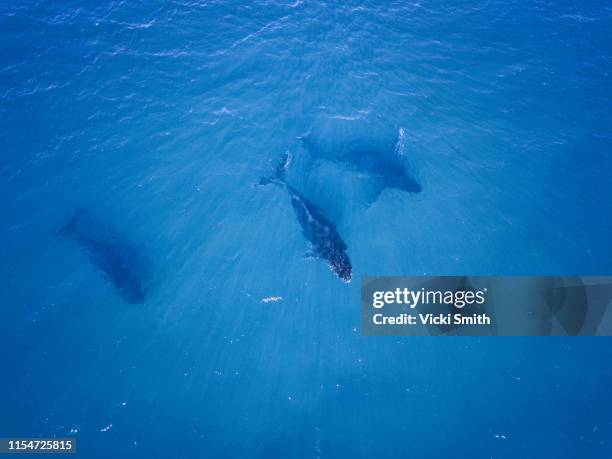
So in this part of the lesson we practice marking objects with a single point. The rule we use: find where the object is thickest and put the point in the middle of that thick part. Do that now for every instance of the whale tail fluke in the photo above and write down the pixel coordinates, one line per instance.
(70, 227)
(280, 173)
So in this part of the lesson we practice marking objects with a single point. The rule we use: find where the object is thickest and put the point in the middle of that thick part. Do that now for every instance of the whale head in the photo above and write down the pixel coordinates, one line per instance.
(341, 266)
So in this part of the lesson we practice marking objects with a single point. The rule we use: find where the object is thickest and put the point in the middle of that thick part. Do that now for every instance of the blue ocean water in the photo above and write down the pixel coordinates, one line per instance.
(156, 120)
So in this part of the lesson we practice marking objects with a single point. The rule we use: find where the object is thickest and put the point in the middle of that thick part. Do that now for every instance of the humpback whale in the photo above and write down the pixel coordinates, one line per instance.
(381, 160)
(118, 262)
(316, 227)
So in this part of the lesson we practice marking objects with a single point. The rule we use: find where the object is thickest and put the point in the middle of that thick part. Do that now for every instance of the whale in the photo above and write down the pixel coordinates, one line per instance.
(382, 161)
(316, 226)
(118, 261)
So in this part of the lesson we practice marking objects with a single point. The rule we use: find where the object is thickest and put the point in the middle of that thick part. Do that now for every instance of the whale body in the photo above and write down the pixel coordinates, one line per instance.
(118, 261)
(316, 227)
(382, 161)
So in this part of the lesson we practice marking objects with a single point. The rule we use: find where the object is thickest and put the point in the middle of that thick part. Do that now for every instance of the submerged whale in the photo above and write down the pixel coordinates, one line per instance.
(118, 261)
(316, 227)
(382, 161)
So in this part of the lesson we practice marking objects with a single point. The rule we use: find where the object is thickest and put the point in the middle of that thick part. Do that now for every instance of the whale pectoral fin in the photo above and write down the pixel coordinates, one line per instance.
(310, 253)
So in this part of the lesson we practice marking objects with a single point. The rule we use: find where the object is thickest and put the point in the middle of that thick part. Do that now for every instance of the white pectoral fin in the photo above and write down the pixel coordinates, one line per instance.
(310, 253)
